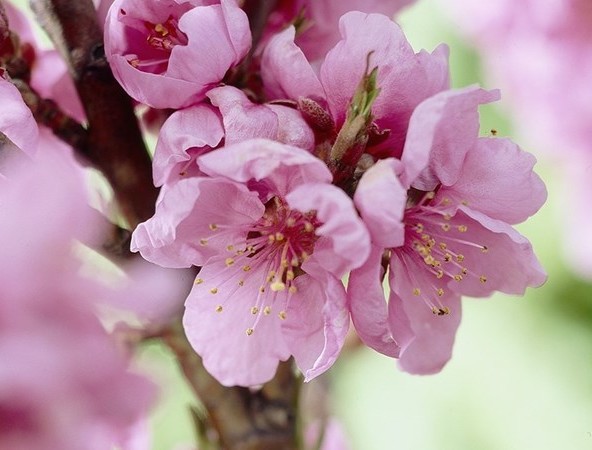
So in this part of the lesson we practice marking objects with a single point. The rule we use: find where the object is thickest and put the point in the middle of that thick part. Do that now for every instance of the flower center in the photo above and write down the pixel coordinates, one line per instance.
(439, 241)
(274, 250)
(164, 36)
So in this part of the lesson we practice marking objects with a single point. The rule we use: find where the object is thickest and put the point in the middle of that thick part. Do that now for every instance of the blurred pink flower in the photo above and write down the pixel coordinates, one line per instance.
(167, 54)
(448, 233)
(273, 237)
(63, 381)
(320, 30)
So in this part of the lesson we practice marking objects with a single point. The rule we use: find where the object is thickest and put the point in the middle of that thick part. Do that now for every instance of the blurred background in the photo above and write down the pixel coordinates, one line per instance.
(521, 373)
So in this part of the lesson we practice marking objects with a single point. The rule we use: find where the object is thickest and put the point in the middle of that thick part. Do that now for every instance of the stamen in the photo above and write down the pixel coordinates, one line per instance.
(219, 309)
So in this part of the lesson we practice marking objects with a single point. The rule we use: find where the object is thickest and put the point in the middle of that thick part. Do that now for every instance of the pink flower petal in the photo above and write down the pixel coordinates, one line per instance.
(316, 323)
(16, 120)
(181, 234)
(381, 200)
(444, 128)
(344, 242)
(286, 72)
(511, 198)
(368, 308)
(185, 135)
(218, 314)
(242, 118)
(280, 166)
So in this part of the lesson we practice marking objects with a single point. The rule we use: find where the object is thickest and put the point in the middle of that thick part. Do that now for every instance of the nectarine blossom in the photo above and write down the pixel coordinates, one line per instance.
(447, 231)
(273, 237)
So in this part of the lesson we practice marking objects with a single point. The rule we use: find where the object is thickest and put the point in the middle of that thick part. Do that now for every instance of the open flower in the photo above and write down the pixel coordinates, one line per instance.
(447, 231)
(273, 237)
(167, 54)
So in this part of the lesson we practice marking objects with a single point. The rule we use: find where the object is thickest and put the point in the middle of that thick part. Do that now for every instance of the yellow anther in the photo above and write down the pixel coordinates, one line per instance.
(440, 274)
(425, 237)
(444, 311)
(219, 309)
(464, 203)
(262, 289)
(214, 290)
(484, 249)
(440, 292)
(203, 242)
(464, 271)
(282, 315)
(161, 29)
(443, 245)
(230, 248)
(271, 238)
(291, 222)
(290, 275)
(447, 257)
(198, 281)
(292, 289)
(445, 227)
(278, 286)
(458, 277)
(447, 216)
(308, 227)
(419, 227)
(249, 331)
(446, 201)
(483, 279)
(429, 260)
(213, 226)
(279, 236)
(295, 262)
(460, 257)
(430, 195)
(462, 228)
(229, 262)
(254, 310)
(246, 268)
(241, 282)
(285, 263)
(416, 291)
(304, 256)
(267, 310)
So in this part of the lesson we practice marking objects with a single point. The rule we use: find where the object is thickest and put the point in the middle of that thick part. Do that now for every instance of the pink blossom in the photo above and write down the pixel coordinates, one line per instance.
(167, 54)
(63, 382)
(319, 31)
(404, 79)
(196, 130)
(273, 237)
(450, 231)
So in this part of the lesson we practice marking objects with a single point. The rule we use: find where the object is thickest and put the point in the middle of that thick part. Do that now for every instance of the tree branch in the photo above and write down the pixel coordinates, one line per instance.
(114, 139)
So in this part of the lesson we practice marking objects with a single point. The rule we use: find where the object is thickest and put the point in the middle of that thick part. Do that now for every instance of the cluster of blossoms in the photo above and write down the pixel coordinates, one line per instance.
(540, 53)
(283, 170)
